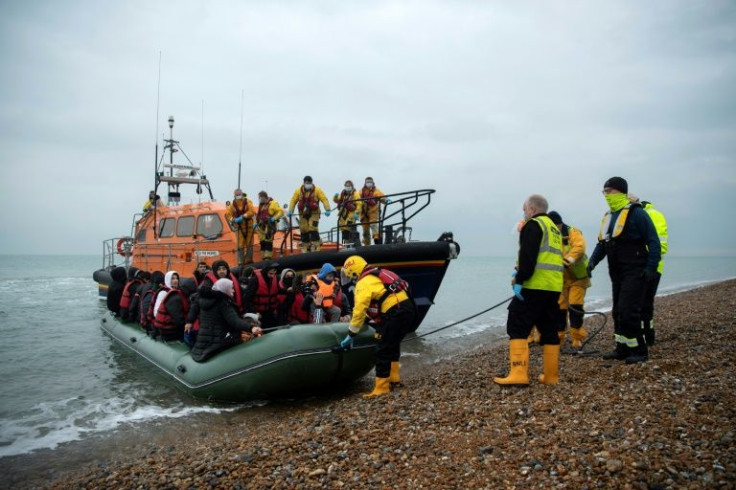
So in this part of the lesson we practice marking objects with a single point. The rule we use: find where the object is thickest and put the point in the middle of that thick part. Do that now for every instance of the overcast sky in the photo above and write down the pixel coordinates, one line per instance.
(486, 102)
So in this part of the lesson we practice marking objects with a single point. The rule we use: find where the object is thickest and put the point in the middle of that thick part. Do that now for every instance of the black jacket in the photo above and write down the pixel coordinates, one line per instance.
(115, 289)
(219, 326)
(638, 245)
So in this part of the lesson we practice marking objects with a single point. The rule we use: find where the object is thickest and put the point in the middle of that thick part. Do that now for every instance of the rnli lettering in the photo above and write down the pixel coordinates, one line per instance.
(207, 253)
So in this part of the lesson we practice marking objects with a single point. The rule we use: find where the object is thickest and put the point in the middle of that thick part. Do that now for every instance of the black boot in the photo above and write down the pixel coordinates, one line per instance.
(618, 354)
(648, 332)
(640, 353)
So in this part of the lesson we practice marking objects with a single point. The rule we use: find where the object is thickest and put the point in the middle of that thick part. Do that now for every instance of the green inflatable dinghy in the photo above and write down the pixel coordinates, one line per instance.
(293, 360)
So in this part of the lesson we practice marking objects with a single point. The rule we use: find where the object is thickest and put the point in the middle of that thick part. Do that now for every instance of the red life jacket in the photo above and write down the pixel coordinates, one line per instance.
(263, 215)
(345, 200)
(266, 297)
(162, 320)
(391, 281)
(308, 199)
(126, 299)
(366, 193)
(236, 289)
(241, 212)
(146, 315)
(296, 313)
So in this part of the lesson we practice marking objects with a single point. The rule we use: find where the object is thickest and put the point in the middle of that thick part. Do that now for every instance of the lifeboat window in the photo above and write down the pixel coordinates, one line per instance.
(185, 226)
(166, 228)
(209, 225)
(141, 238)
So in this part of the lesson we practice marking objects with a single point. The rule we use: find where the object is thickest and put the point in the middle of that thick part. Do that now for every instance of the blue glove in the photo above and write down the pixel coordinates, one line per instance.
(288, 215)
(238, 220)
(517, 291)
(327, 213)
(514, 272)
(255, 225)
(355, 216)
(271, 220)
(388, 201)
(347, 342)
(336, 196)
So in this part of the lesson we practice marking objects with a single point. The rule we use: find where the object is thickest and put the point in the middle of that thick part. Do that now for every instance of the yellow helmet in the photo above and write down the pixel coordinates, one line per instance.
(353, 266)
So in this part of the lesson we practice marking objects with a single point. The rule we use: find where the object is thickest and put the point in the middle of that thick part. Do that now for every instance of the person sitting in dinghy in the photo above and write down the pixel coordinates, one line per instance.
(219, 322)
(170, 309)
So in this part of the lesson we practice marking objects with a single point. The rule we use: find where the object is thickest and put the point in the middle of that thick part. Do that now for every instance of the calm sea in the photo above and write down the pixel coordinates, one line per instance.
(65, 380)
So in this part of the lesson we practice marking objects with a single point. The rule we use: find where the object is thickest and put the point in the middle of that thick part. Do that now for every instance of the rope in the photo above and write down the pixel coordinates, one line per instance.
(582, 351)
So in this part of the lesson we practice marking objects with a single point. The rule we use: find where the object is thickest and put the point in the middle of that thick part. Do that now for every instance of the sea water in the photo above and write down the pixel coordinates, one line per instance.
(64, 379)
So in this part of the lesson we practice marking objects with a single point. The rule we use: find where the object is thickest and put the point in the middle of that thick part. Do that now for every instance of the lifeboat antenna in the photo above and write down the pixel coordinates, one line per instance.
(201, 164)
(240, 157)
(155, 160)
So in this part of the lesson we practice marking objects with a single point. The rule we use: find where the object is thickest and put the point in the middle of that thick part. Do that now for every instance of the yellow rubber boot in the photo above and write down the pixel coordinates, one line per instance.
(394, 377)
(537, 335)
(578, 335)
(382, 388)
(518, 364)
(551, 365)
(561, 336)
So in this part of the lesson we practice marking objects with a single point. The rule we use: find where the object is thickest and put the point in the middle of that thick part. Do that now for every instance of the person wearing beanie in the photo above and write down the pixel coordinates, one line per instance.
(306, 199)
(537, 283)
(221, 270)
(647, 310)
(629, 241)
(326, 304)
(576, 281)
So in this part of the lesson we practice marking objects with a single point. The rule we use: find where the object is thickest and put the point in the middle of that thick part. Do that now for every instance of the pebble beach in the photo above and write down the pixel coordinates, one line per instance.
(666, 423)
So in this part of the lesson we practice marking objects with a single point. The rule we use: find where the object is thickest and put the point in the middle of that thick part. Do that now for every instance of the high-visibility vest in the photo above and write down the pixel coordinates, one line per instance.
(547, 274)
(660, 224)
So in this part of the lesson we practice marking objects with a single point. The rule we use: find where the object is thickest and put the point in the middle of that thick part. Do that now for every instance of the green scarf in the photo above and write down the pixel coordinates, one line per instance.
(617, 202)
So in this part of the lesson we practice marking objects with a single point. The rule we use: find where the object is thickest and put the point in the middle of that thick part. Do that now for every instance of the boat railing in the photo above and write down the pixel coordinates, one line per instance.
(395, 212)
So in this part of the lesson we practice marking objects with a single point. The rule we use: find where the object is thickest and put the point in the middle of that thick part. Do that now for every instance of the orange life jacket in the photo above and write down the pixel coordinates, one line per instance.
(236, 289)
(308, 199)
(393, 284)
(162, 320)
(127, 298)
(266, 298)
(327, 290)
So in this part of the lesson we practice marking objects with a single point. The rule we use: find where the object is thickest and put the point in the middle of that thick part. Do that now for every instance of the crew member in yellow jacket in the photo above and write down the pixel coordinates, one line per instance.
(372, 197)
(306, 199)
(384, 297)
(240, 214)
(576, 281)
(647, 307)
(349, 207)
(268, 214)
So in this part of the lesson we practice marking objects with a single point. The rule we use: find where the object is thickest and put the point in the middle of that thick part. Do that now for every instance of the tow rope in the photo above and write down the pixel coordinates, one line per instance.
(581, 351)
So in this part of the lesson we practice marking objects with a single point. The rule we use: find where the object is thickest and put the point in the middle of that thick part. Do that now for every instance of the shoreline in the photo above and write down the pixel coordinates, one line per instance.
(668, 422)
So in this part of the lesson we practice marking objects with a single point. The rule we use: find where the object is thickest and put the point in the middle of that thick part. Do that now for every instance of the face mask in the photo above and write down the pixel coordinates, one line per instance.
(369, 184)
(617, 202)
(308, 187)
(263, 201)
(328, 280)
(348, 189)
(288, 281)
(238, 198)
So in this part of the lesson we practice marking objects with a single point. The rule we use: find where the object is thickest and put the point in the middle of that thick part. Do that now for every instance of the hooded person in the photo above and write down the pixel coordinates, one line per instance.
(135, 279)
(221, 270)
(220, 324)
(262, 294)
(327, 300)
(115, 289)
(146, 296)
(287, 293)
(134, 312)
(170, 309)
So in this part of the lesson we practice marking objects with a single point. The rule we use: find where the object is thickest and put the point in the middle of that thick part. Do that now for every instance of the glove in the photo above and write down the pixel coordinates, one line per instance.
(514, 272)
(517, 291)
(589, 270)
(388, 201)
(347, 342)
(238, 220)
(271, 220)
(327, 213)
(255, 225)
(355, 216)
(336, 196)
(289, 214)
(649, 275)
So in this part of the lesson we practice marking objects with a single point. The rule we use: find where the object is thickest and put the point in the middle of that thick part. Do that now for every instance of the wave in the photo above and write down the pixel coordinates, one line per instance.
(49, 424)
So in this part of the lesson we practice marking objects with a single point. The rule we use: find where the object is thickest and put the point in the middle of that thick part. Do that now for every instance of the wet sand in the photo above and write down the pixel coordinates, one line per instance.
(667, 423)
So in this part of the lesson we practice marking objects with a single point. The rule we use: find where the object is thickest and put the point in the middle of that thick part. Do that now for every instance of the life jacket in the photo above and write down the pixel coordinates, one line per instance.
(366, 193)
(621, 248)
(345, 201)
(579, 270)
(146, 307)
(618, 226)
(308, 200)
(265, 298)
(263, 214)
(327, 290)
(162, 320)
(296, 313)
(240, 212)
(391, 282)
(127, 298)
(237, 292)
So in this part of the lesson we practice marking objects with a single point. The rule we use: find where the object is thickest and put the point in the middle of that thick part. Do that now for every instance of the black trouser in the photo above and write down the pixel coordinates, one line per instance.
(390, 331)
(539, 308)
(628, 293)
(647, 309)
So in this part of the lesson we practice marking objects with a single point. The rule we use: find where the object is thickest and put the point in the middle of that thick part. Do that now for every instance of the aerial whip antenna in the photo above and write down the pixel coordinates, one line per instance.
(240, 157)
(155, 162)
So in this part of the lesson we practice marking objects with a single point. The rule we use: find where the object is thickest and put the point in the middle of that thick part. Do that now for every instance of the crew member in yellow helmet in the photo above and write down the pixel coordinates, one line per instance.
(537, 283)
(383, 297)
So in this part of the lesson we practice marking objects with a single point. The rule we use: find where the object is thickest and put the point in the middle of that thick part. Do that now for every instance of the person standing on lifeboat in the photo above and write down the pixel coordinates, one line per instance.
(349, 208)
(170, 309)
(268, 214)
(372, 198)
(240, 214)
(306, 199)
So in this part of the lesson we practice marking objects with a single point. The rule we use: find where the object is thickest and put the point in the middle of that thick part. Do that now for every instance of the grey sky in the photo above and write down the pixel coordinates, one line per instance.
(487, 102)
